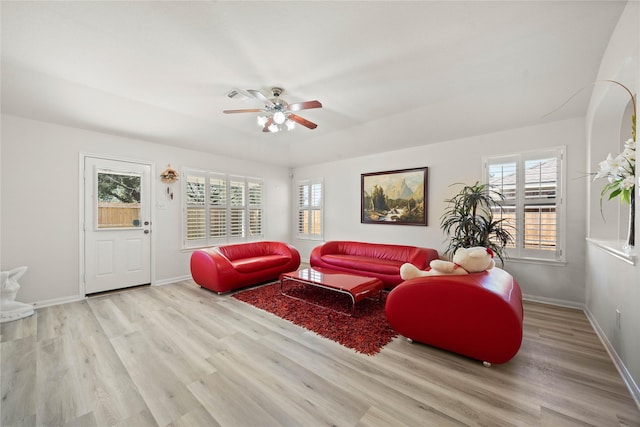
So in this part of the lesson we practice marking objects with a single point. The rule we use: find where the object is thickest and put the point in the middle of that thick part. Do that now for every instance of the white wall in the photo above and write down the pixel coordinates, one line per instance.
(453, 162)
(40, 196)
(613, 283)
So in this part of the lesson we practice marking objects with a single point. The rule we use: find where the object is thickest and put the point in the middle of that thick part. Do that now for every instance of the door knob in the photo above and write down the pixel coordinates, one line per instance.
(146, 231)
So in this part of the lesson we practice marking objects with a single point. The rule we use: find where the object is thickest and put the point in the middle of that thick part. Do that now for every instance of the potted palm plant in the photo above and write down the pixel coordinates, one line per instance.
(469, 220)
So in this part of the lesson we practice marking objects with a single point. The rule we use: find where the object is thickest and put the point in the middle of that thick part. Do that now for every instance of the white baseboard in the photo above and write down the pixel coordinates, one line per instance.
(57, 301)
(74, 298)
(617, 361)
(554, 301)
(172, 280)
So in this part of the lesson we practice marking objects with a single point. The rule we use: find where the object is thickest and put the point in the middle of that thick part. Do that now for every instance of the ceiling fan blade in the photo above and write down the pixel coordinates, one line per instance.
(297, 106)
(302, 121)
(261, 97)
(266, 125)
(250, 110)
(239, 94)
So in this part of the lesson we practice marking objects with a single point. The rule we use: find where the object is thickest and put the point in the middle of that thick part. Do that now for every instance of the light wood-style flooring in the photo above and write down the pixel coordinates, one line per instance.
(179, 355)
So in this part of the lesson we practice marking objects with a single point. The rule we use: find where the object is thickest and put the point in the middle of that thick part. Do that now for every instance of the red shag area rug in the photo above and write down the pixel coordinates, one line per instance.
(367, 331)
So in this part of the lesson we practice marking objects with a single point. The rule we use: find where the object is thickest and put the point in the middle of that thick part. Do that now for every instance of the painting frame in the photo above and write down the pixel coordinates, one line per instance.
(404, 188)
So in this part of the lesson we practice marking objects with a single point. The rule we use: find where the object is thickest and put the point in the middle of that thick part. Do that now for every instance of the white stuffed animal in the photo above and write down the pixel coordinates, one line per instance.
(465, 261)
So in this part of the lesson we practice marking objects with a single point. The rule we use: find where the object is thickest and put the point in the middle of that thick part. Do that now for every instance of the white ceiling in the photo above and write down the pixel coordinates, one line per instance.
(390, 74)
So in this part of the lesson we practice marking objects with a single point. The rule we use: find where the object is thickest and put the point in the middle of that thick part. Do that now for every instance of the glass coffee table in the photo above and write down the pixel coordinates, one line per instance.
(356, 287)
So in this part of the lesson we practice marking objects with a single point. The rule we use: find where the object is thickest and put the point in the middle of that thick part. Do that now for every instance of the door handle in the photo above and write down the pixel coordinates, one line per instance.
(146, 231)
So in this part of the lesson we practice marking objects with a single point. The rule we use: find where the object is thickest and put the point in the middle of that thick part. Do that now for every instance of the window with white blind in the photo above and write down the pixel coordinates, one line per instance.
(310, 209)
(532, 185)
(219, 208)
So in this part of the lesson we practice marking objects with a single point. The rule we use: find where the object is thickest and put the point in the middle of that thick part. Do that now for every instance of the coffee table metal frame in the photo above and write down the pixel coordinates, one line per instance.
(376, 285)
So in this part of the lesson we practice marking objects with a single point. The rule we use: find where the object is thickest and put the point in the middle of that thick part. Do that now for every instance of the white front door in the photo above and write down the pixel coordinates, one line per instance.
(117, 224)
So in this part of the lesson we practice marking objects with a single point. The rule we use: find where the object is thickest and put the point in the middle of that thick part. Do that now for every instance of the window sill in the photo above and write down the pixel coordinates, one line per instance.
(195, 248)
(214, 244)
(614, 248)
(537, 261)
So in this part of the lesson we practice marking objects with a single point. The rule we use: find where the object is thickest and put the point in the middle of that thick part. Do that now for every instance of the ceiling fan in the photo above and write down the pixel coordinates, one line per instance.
(277, 112)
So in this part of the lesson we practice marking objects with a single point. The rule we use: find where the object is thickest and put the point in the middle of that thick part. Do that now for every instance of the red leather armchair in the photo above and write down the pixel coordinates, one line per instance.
(477, 315)
(378, 260)
(229, 267)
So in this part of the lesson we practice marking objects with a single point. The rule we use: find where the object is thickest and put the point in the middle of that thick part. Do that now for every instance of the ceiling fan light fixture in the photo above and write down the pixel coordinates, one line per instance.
(274, 128)
(290, 124)
(279, 117)
(276, 115)
(262, 120)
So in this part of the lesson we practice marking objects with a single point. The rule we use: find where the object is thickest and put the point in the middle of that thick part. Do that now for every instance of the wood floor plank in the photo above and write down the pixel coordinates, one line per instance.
(197, 417)
(113, 320)
(115, 396)
(268, 392)
(272, 393)
(193, 334)
(141, 419)
(227, 404)
(18, 381)
(166, 396)
(338, 404)
(81, 321)
(179, 355)
(375, 383)
(61, 391)
(15, 330)
(51, 322)
(86, 420)
(182, 358)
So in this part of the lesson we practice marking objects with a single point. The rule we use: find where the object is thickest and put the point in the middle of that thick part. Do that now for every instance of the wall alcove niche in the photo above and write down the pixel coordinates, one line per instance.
(609, 220)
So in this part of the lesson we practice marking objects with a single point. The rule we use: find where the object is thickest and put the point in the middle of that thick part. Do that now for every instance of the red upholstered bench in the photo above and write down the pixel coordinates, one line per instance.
(478, 315)
(229, 267)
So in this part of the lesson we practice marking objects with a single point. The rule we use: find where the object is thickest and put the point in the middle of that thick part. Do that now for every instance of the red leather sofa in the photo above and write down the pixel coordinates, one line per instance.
(229, 267)
(478, 315)
(370, 259)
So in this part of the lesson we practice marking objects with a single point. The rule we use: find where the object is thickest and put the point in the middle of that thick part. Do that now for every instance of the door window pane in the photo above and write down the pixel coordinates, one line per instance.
(118, 200)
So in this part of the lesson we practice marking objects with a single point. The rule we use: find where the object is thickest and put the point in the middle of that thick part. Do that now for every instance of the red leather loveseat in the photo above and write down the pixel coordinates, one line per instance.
(478, 315)
(371, 259)
(229, 267)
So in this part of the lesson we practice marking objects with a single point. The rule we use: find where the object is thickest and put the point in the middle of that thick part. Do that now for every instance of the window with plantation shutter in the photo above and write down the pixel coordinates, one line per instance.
(220, 209)
(217, 207)
(255, 208)
(532, 186)
(196, 219)
(237, 210)
(310, 209)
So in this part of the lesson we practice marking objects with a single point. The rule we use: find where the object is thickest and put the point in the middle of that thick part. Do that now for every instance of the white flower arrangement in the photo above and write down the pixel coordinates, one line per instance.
(620, 172)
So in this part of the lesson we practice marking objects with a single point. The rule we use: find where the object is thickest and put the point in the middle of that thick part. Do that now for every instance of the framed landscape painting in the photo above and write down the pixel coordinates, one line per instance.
(394, 197)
